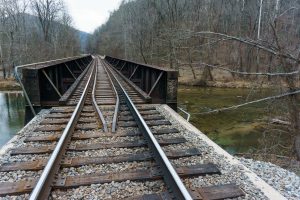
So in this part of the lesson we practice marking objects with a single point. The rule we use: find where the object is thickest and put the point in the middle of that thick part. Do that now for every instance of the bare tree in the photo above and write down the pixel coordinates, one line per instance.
(26, 38)
(47, 11)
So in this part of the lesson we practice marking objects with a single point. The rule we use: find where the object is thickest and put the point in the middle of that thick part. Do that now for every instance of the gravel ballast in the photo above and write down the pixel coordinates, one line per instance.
(286, 182)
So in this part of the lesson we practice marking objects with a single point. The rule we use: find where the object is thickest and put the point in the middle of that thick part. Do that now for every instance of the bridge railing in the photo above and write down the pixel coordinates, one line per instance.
(45, 82)
(157, 82)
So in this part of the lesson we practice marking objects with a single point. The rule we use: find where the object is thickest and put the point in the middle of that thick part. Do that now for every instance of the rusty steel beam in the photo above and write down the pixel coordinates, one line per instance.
(155, 84)
(78, 65)
(70, 71)
(123, 66)
(51, 83)
(137, 66)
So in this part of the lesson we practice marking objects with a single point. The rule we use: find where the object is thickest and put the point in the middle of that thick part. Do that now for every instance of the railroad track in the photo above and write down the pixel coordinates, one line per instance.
(103, 135)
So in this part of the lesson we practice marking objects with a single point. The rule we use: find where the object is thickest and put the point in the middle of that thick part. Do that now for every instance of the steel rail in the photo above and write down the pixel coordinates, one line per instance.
(172, 179)
(43, 187)
(100, 115)
(115, 118)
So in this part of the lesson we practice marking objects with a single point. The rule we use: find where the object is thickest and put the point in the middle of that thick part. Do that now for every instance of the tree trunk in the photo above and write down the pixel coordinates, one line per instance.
(11, 53)
(292, 104)
(294, 115)
(297, 145)
(2, 63)
(206, 75)
(190, 64)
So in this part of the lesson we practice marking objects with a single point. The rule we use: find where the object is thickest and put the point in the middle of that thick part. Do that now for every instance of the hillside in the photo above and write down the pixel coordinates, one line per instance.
(201, 37)
(45, 34)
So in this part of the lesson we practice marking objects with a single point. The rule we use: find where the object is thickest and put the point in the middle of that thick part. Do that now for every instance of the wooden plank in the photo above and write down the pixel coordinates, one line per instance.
(16, 188)
(88, 114)
(75, 162)
(81, 136)
(153, 117)
(88, 109)
(54, 121)
(95, 146)
(32, 150)
(127, 124)
(80, 161)
(138, 175)
(155, 196)
(130, 144)
(24, 166)
(147, 112)
(43, 138)
(63, 110)
(59, 116)
(87, 127)
(47, 128)
(165, 131)
(146, 118)
(87, 120)
(183, 153)
(219, 192)
(87, 135)
(158, 123)
(149, 123)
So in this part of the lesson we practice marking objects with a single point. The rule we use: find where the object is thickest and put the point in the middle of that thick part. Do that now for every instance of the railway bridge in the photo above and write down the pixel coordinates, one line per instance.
(104, 128)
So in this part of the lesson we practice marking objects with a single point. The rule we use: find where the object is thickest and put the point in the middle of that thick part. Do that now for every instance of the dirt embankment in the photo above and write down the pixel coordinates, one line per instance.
(9, 84)
(222, 79)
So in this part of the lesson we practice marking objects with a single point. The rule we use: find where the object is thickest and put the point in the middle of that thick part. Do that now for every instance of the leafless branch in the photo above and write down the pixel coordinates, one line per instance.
(248, 103)
(245, 73)
(256, 44)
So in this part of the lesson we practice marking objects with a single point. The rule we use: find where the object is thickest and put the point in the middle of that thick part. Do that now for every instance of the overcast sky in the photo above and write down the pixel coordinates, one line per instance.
(89, 14)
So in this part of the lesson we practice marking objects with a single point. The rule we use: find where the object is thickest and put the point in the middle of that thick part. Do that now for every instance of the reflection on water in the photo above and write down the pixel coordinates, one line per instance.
(236, 130)
(12, 113)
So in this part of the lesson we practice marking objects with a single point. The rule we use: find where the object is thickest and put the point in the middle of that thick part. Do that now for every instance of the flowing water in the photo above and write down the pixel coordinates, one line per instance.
(237, 130)
(12, 113)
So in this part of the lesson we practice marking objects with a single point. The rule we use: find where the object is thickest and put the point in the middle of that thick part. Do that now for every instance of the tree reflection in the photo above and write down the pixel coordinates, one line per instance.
(12, 113)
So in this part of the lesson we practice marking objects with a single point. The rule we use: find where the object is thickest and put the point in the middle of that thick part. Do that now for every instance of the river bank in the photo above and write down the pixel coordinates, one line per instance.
(224, 79)
(9, 84)
(222, 84)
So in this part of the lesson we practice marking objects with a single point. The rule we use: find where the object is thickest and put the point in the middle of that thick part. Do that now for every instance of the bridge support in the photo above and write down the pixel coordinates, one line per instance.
(46, 81)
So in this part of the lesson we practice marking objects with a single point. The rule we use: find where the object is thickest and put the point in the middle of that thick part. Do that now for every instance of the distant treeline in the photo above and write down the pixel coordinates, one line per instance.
(171, 33)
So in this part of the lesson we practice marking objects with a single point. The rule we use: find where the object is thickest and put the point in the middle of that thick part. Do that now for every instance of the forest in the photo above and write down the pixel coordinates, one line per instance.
(236, 35)
(35, 30)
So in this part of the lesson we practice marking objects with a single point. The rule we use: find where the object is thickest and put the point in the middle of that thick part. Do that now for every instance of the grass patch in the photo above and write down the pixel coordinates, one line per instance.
(9, 84)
